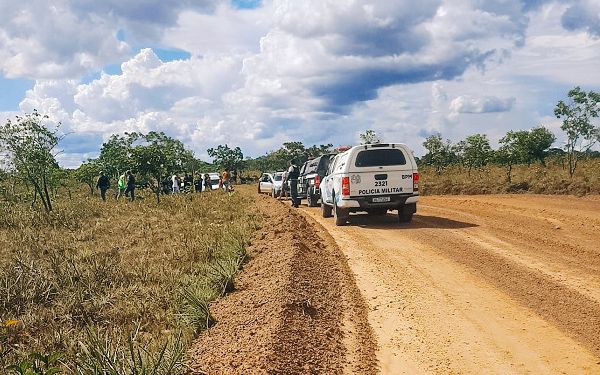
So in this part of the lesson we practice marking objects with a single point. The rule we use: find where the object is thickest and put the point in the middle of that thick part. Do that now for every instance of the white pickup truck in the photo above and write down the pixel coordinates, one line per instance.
(374, 178)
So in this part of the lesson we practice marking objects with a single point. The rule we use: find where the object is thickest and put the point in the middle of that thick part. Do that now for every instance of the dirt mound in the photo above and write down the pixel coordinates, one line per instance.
(295, 309)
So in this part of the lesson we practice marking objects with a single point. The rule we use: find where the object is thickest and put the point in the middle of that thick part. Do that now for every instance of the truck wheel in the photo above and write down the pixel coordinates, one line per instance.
(404, 215)
(325, 210)
(340, 215)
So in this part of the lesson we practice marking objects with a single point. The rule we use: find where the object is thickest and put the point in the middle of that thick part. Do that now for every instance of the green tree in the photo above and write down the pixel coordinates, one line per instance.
(514, 149)
(368, 137)
(225, 157)
(156, 155)
(578, 114)
(475, 151)
(439, 154)
(539, 141)
(28, 148)
(316, 151)
(115, 154)
(87, 173)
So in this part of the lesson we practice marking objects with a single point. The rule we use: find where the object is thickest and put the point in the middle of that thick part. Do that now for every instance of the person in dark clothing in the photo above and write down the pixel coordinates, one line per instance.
(103, 184)
(207, 182)
(130, 186)
(292, 177)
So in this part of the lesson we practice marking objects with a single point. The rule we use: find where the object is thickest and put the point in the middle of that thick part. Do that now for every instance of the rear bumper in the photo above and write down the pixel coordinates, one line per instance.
(365, 203)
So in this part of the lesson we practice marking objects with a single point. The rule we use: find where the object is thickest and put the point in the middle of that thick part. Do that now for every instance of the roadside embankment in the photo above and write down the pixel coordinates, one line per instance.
(295, 307)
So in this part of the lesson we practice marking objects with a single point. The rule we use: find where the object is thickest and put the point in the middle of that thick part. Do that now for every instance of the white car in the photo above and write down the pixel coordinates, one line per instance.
(374, 178)
(271, 183)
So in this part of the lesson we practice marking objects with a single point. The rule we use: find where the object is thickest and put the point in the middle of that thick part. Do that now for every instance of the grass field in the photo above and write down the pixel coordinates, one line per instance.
(552, 179)
(115, 287)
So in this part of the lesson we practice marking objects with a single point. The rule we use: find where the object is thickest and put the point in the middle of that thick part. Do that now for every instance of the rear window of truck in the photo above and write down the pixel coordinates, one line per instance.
(380, 158)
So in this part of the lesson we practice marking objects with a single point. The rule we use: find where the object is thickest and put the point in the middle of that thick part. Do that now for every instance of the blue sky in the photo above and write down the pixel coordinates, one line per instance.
(259, 73)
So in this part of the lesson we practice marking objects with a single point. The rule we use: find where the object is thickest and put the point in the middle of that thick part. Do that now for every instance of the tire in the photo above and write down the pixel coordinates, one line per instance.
(325, 210)
(404, 216)
(340, 214)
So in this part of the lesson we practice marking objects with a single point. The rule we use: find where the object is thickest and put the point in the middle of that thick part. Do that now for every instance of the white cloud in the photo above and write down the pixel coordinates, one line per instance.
(485, 104)
(314, 71)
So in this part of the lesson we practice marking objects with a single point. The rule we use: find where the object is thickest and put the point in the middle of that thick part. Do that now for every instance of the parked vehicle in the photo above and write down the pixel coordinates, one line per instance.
(270, 183)
(311, 175)
(374, 178)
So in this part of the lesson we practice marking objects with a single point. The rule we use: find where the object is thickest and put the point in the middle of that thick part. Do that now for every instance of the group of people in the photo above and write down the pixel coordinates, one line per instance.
(127, 184)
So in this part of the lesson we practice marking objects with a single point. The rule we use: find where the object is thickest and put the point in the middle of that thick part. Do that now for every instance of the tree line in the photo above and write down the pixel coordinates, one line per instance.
(525, 146)
(28, 151)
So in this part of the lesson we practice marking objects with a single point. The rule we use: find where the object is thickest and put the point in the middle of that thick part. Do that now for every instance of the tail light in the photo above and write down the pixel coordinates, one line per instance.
(416, 181)
(317, 181)
(345, 186)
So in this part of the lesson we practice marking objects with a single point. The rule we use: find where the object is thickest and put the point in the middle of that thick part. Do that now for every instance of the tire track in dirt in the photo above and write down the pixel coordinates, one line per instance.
(481, 284)
(295, 310)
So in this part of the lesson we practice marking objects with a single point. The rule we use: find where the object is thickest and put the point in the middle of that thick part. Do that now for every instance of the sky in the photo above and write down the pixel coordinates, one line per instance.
(255, 74)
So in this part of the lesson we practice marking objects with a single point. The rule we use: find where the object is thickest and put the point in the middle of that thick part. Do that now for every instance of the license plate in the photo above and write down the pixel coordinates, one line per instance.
(381, 199)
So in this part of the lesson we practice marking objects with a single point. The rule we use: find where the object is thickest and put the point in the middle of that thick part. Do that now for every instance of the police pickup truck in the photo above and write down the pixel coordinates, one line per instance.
(374, 178)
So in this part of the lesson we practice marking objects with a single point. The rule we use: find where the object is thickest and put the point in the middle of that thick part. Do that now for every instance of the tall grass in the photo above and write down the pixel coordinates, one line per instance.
(116, 287)
(538, 179)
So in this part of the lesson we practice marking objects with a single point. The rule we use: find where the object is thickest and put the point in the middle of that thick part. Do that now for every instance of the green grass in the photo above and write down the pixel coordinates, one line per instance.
(116, 287)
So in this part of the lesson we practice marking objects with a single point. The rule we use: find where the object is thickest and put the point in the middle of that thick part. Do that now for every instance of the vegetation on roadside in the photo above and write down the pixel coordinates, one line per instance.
(114, 287)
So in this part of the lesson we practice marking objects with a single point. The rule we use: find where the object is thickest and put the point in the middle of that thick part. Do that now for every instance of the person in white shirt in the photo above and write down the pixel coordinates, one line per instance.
(175, 184)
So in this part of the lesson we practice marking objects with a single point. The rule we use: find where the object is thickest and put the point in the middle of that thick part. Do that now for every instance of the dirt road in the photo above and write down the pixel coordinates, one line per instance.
(481, 284)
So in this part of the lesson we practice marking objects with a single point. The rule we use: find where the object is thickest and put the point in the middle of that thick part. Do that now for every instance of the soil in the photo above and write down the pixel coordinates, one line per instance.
(481, 284)
(474, 284)
(295, 308)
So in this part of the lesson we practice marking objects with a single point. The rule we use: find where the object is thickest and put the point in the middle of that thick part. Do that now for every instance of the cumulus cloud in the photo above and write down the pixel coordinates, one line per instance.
(317, 71)
(485, 104)
(583, 15)
(65, 39)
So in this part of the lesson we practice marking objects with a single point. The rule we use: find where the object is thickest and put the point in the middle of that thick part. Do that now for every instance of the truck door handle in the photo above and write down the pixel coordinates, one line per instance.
(380, 177)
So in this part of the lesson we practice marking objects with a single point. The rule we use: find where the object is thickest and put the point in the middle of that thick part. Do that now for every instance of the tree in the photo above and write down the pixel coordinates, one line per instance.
(440, 154)
(514, 149)
(87, 173)
(115, 154)
(538, 142)
(28, 148)
(368, 137)
(578, 114)
(226, 158)
(157, 155)
(316, 151)
(475, 151)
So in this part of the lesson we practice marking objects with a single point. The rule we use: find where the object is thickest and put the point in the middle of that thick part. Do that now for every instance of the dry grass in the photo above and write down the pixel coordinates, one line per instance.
(112, 285)
(552, 179)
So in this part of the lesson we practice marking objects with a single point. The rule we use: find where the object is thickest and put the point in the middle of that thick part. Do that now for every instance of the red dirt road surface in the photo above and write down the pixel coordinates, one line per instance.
(481, 284)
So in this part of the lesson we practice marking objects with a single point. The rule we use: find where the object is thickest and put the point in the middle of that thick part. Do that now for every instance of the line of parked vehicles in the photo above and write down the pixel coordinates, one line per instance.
(372, 178)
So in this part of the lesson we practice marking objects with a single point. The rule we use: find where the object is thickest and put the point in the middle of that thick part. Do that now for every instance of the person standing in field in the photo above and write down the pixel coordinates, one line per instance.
(225, 179)
(175, 180)
(130, 186)
(121, 185)
(284, 188)
(292, 177)
(207, 183)
(103, 184)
